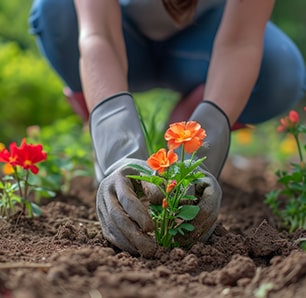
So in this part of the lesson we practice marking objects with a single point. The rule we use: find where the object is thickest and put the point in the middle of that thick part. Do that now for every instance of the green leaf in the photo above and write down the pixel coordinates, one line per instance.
(173, 232)
(45, 193)
(141, 169)
(36, 209)
(16, 199)
(152, 179)
(189, 198)
(156, 208)
(187, 226)
(28, 206)
(188, 212)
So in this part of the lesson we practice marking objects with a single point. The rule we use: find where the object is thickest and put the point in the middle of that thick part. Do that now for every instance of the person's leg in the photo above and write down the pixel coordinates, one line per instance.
(54, 22)
(186, 58)
(282, 79)
(142, 75)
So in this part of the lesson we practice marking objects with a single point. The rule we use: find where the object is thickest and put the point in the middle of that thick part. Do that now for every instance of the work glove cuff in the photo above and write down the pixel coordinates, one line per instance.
(116, 133)
(217, 142)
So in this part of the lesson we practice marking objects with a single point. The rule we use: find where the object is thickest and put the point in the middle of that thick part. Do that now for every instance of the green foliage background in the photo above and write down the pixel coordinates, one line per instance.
(30, 92)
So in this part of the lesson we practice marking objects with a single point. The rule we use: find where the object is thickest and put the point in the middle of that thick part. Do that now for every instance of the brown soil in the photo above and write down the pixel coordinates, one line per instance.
(63, 253)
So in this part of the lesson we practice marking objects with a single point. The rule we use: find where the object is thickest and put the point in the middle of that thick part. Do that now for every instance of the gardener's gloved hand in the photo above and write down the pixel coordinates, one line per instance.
(123, 212)
(209, 194)
(208, 190)
(118, 141)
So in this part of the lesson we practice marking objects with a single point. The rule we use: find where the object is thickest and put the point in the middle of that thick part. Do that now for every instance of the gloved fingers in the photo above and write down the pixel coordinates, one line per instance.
(111, 232)
(209, 194)
(152, 193)
(117, 226)
(126, 194)
(140, 241)
(148, 191)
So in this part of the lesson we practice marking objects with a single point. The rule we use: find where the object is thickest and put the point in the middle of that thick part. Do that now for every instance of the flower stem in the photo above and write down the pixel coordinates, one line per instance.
(183, 154)
(296, 136)
(18, 181)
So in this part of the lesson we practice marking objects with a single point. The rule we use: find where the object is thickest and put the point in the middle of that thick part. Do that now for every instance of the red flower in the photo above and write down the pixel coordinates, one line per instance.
(162, 160)
(190, 134)
(26, 156)
(289, 121)
(293, 117)
(29, 154)
(10, 156)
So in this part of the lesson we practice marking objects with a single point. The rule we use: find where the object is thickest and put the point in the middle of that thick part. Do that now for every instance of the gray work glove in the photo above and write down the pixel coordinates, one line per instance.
(216, 144)
(118, 141)
(208, 190)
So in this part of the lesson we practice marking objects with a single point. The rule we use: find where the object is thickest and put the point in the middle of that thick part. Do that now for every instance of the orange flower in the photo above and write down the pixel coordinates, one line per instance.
(8, 169)
(289, 121)
(162, 160)
(9, 156)
(190, 134)
(171, 185)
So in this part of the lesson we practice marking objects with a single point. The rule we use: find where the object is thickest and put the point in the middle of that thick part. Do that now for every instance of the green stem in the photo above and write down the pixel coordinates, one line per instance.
(26, 186)
(18, 182)
(183, 154)
(146, 135)
(296, 136)
(164, 228)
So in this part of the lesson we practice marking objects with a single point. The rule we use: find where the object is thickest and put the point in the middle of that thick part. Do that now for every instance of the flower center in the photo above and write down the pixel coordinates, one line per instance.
(185, 134)
(27, 162)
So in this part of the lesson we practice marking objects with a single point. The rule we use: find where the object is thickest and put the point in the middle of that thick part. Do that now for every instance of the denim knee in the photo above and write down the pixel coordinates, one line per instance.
(281, 82)
(54, 22)
(58, 17)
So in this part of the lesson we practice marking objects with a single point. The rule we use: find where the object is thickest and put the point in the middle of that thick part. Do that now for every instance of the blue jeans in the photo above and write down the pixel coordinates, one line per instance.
(179, 63)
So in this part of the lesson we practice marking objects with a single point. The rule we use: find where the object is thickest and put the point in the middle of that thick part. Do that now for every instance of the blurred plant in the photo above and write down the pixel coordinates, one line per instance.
(152, 117)
(16, 187)
(29, 91)
(244, 136)
(173, 177)
(301, 242)
(289, 203)
(69, 152)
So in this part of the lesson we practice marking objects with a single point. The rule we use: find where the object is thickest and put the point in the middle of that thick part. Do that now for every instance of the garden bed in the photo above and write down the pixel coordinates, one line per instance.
(63, 253)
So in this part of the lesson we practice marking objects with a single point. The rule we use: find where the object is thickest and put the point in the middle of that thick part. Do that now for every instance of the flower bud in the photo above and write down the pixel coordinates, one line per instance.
(165, 203)
(171, 185)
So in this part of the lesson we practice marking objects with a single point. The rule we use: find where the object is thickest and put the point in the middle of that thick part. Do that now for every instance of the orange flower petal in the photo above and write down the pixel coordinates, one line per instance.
(161, 160)
(193, 145)
(190, 134)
